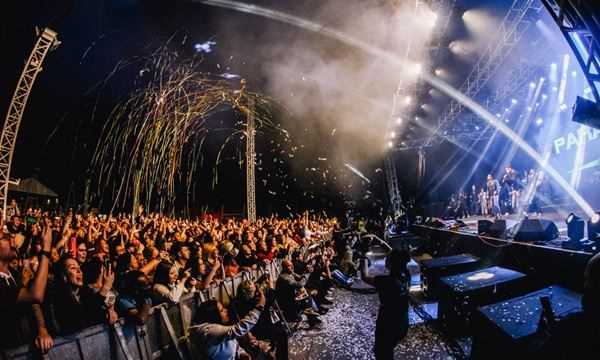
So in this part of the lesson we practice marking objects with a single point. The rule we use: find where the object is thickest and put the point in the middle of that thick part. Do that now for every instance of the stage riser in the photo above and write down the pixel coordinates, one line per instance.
(543, 265)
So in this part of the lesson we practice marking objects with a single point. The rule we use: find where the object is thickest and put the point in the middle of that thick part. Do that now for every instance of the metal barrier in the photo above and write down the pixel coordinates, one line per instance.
(164, 335)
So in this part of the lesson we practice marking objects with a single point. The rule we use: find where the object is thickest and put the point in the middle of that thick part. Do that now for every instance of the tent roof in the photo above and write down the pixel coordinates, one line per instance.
(32, 186)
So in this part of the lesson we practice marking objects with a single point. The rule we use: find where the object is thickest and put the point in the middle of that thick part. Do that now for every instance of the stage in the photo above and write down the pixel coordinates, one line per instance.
(546, 263)
(513, 219)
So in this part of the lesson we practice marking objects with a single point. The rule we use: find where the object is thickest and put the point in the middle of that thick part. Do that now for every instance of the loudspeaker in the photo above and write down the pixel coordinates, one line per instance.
(538, 230)
(498, 229)
(483, 226)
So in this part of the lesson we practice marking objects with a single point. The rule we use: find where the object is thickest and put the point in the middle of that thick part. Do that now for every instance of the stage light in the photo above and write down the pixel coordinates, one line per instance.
(593, 227)
(407, 100)
(432, 19)
(415, 69)
(586, 112)
(544, 96)
(399, 121)
(392, 135)
(514, 101)
(438, 72)
(423, 107)
(532, 84)
(417, 118)
(465, 16)
(390, 144)
(498, 115)
(563, 107)
(539, 121)
(529, 108)
(575, 227)
(476, 127)
(555, 88)
(574, 74)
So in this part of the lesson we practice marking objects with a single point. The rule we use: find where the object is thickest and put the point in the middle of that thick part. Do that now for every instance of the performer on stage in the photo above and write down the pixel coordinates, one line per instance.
(482, 200)
(473, 209)
(493, 192)
(510, 180)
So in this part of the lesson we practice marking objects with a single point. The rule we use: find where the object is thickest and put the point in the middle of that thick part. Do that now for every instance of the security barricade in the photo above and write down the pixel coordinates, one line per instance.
(163, 336)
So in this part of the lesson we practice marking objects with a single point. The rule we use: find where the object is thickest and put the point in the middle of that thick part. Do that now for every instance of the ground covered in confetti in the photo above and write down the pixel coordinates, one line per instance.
(348, 331)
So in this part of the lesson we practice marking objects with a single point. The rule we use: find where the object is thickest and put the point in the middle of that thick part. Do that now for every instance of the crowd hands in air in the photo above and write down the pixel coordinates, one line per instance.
(61, 273)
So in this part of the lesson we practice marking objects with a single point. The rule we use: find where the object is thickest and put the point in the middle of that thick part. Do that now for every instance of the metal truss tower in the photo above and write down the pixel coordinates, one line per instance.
(510, 31)
(250, 163)
(443, 10)
(46, 41)
(392, 183)
(581, 28)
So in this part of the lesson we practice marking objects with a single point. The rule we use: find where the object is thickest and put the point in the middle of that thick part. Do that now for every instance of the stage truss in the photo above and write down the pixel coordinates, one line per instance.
(443, 9)
(581, 29)
(46, 41)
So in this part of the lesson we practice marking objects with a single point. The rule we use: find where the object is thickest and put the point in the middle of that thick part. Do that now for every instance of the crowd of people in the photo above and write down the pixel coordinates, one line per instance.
(511, 194)
(61, 273)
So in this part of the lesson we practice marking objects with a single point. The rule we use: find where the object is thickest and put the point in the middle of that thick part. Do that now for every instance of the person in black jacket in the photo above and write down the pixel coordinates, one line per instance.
(392, 319)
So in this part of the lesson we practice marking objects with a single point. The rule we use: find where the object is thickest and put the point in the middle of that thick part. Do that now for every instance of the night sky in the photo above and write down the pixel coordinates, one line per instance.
(79, 87)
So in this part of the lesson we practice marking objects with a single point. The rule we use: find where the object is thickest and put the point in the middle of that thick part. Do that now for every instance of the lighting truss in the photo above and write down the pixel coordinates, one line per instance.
(510, 31)
(471, 128)
(581, 29)
(46, 41)
(443, 10)
(392, 183)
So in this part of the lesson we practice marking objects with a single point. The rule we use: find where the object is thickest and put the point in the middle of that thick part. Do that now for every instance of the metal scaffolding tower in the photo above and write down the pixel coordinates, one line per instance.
(46, 41)
(510, 31)
(392, 183)
(250, 163)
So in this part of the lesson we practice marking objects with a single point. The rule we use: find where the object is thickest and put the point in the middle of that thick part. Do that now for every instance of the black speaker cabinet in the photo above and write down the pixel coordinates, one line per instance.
(536, 230)
(498, 229)
(483, 226)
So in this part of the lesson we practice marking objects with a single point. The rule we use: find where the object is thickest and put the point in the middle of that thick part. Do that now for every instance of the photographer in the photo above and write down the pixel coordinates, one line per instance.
(293, 297)
(239, 307)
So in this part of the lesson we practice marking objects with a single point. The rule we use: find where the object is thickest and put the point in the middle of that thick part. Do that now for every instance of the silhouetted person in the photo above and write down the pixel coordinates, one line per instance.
(392, 319)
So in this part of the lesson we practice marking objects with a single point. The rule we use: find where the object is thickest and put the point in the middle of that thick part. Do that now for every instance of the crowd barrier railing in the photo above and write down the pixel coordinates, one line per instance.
(165, 335)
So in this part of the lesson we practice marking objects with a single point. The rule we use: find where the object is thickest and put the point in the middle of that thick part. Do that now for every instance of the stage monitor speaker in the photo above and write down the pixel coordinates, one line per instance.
(536, 230)
(498, 229)
(483, 226)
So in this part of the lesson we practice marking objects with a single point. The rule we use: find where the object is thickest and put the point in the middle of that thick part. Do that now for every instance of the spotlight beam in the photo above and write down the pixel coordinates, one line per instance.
(432, 80)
